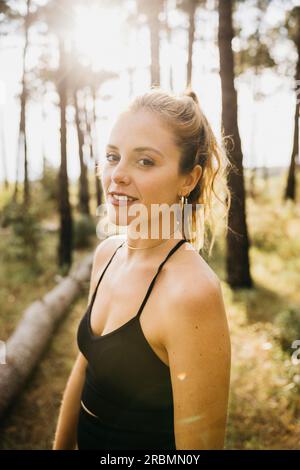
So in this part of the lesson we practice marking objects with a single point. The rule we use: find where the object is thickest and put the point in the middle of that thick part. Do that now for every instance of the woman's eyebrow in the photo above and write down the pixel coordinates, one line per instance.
(139, 149)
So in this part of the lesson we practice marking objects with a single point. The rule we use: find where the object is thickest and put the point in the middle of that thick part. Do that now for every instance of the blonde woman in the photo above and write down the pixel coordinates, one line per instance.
(153, 369)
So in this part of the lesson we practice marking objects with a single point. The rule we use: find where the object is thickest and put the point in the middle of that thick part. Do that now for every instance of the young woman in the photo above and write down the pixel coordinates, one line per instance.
(153, 369)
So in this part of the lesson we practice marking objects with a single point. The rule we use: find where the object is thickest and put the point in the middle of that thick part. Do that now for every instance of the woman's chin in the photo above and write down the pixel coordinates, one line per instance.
(119, 221)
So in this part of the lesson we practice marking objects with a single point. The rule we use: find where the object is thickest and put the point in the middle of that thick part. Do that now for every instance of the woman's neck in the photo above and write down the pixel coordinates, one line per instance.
(145, 248)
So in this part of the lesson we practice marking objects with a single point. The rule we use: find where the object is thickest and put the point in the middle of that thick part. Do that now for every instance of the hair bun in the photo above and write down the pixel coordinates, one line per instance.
(189, 92)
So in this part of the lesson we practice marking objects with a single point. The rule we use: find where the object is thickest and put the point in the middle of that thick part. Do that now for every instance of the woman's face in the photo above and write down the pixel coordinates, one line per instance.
(148, 174)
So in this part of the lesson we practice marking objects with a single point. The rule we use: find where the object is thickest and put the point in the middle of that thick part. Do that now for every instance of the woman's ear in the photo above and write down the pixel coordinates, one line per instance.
(192, 179)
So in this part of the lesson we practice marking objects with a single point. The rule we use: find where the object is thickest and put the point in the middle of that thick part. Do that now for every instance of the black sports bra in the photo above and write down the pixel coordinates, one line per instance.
(126, 385)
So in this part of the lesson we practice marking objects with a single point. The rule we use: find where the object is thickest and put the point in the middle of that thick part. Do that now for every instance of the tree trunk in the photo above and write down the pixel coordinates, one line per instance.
(237, 260)
(22, 131)
(16, 190)
(84, 196)
(23, 350)
(94, 151)
(3, 157)
(66, 225)
(191, 39)
(155, 43)
(290, 191)
(168, 30)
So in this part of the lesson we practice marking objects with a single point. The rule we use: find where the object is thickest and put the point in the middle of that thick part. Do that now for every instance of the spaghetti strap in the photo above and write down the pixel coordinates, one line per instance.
(102, 274)
(158, 271)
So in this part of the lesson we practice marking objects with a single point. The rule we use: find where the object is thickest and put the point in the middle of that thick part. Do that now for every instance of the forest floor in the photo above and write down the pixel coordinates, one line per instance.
(264, 404)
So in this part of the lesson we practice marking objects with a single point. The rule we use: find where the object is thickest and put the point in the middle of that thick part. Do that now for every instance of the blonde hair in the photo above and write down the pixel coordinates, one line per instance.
(194, 137)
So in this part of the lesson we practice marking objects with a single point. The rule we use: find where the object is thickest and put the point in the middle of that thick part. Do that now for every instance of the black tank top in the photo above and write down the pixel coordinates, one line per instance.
(127, 386)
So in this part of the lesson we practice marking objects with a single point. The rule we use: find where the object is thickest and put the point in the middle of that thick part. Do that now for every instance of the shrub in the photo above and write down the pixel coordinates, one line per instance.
(288, 322)
(8, 213)
(49, 183)
(84, 231)
(26, 235)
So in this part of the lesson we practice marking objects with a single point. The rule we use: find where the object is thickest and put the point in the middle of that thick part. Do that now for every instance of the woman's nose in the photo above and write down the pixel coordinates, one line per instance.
(120, 174)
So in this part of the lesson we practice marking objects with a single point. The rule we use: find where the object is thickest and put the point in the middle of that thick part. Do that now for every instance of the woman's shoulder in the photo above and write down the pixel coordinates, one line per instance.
(193, 272)
(107, 247)
(194, 296)
(103, 252)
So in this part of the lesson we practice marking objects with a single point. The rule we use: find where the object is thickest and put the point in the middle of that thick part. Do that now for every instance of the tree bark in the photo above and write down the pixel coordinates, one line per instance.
(94, 150)
(22, 130)
(3, 156)
(191, 39)
(237, 258)
(66, 224)
(84, 196)
(290, 191)
(154, 27)
(169, 30)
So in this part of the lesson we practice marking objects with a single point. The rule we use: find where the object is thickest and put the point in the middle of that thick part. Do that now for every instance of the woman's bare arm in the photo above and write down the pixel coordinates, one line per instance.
(199, 349)
(65, 435)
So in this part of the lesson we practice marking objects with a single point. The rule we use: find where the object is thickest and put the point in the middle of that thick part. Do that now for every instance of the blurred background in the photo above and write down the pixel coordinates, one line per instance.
(66, 70)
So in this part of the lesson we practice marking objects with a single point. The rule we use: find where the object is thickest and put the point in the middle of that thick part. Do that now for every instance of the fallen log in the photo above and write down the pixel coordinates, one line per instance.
(28, 342)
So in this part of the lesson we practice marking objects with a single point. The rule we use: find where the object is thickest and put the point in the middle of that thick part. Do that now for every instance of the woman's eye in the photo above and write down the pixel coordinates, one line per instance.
(148, 162)
(110, 155)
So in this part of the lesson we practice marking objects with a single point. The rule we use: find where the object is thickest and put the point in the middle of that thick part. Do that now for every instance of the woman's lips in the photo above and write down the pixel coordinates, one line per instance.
(117, 202)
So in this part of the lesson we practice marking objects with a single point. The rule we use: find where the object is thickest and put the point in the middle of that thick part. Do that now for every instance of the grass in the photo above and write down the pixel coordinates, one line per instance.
(264, 403)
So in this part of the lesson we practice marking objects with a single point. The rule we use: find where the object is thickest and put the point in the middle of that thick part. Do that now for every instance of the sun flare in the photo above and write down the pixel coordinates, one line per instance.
(99, 34)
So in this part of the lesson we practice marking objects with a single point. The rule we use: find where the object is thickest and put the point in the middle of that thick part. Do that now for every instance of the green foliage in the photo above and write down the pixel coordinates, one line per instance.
(84, 231)
(26, 235)
(288, 322)
(49, 183)
(256, 56)
(8, 213)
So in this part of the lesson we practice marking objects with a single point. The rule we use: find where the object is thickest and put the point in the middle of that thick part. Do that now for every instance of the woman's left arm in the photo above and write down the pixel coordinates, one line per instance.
(198, 344)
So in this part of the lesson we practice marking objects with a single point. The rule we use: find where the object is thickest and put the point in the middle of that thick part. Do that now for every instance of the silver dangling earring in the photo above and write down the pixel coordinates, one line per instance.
(183, 202)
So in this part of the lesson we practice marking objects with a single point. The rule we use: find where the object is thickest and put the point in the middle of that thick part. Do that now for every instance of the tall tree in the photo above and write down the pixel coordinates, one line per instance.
(190, 7)
(60, 24)
(237, 259)
(254, 56)
(10, 17)
(3, 155)
(22, 129)
(5, 11)
(152, 10)
(169, 33)
(293, 26)
(84, 196)
(65, 212)
(83, 86)
(94, 147)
